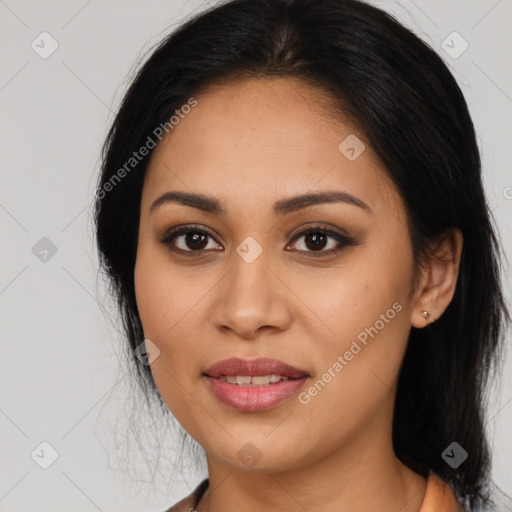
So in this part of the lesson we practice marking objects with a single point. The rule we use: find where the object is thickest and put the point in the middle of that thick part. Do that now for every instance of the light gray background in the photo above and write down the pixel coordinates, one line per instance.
(60, 365)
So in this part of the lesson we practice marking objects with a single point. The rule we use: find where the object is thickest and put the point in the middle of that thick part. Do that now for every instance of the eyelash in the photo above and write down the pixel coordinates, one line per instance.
(343, 240)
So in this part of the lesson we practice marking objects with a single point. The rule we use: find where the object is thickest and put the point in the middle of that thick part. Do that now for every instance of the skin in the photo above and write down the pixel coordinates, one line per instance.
(249, 144)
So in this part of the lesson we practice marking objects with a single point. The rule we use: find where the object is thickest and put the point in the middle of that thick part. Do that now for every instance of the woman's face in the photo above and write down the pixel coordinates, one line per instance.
(246, 284)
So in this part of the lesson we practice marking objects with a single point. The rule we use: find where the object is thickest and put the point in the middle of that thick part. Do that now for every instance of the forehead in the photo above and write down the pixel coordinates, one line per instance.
(260, 140)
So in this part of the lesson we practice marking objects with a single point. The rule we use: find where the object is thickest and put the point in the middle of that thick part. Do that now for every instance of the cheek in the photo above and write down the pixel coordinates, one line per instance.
(168, 301)
(369, 289)
(364, 306)
(160, 310)
(166, 296)
(357, 371)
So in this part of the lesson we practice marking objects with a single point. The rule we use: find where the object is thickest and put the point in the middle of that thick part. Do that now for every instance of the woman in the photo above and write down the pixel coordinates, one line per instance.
(292, 216)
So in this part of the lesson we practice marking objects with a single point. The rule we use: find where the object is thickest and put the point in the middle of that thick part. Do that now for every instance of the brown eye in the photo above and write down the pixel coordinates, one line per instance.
(316, 240)
(189, 239)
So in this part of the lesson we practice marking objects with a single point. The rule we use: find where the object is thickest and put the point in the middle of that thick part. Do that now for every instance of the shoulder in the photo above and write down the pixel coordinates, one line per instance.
(188, 503)
(439, 496)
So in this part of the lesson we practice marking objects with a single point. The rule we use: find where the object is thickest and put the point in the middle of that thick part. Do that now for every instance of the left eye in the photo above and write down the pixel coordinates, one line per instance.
(194, 241)
(316, 240)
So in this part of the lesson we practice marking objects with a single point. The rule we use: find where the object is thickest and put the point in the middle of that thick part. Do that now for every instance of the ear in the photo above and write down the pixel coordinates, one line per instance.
(438, 278)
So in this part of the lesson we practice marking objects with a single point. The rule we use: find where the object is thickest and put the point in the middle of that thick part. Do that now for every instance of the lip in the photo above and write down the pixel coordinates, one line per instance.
(254, 367)
(254, 398)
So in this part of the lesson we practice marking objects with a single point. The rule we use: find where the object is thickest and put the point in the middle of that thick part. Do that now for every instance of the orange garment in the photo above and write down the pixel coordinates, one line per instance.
(438, 497)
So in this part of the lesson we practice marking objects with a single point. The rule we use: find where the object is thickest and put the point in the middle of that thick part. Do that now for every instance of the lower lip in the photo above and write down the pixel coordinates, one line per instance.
(255, 398)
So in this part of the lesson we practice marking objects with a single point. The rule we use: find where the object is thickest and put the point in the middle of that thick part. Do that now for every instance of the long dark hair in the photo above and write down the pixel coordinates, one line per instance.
(402, 97)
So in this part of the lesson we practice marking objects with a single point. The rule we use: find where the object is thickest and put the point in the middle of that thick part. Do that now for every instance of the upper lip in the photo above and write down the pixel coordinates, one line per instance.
(254, 367)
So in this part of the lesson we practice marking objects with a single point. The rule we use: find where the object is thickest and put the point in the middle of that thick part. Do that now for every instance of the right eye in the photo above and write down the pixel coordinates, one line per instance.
(188, 240)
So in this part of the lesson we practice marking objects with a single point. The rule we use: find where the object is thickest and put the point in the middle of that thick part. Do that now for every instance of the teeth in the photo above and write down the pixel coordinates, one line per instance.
(259, 380)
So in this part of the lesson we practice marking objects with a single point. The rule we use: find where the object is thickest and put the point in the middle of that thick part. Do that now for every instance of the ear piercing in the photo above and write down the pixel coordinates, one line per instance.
(425, 314)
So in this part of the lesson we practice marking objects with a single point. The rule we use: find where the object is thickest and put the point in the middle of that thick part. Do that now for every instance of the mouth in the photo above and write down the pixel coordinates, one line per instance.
(257, 380)
(254, 385)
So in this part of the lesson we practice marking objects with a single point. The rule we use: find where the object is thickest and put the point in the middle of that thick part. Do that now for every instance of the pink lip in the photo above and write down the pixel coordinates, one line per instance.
(254, 367)
(254, 398)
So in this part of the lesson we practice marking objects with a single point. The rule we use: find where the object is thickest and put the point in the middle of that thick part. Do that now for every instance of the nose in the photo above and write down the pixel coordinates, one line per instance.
(251, 300)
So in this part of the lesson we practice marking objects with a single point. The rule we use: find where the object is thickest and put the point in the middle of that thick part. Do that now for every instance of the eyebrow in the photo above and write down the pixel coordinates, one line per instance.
(280, 208)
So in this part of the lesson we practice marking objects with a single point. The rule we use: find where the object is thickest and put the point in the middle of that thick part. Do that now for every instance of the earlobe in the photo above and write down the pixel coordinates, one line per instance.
(440, 279)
